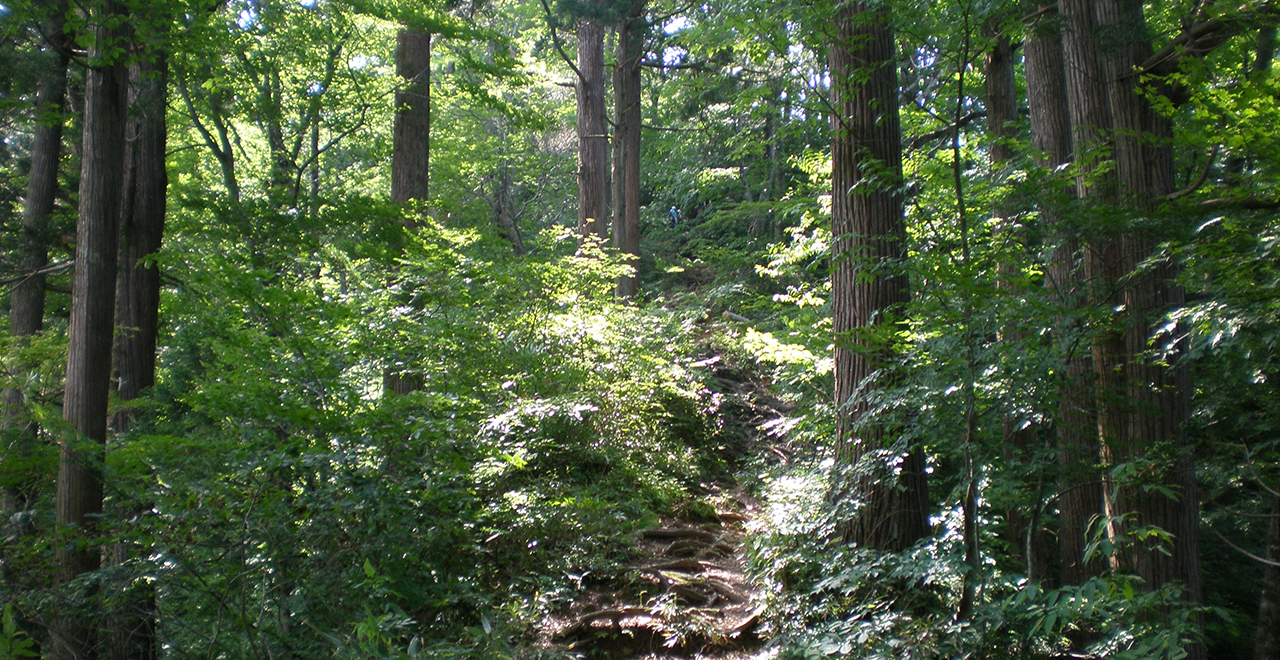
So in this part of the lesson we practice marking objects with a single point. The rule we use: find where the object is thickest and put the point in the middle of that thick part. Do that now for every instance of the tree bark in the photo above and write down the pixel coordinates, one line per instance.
(411, 150)
(26, 299)
(142, 230)
(627, 95)
(88, 383)
(411, 147)
(593, 134)
(138, 312)
(1079, 488)
(868, 288)
(1156, 399)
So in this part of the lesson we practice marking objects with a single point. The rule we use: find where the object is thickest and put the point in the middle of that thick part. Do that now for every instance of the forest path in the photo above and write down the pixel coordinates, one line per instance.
(688, 597)
(688, 594)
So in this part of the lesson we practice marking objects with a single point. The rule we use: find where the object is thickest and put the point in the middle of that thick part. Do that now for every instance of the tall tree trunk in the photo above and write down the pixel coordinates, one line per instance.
(627, 95)
(868, 287)
(1090, 121)
(411, 150)
(411, 142)
(593, 134)
(1156, 400)
(138, 313)
(142, 230)
(1019, 434)
(1080, 490)
(88, 384)
(26, 300)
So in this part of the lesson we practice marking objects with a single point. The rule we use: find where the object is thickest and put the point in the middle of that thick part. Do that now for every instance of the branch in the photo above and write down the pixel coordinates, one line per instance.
(915, 142)
(1213, 157)
(555, 40)
(1202, 36)
(1246, 203)
(1242, 551)
(662, 65)
(47, 270)
(1051, 8)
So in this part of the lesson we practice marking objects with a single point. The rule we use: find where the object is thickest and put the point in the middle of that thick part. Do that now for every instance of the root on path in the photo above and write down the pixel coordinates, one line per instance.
(693, 598)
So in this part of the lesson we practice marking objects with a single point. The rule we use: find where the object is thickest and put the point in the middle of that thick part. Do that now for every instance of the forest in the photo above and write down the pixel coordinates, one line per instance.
(588, 329)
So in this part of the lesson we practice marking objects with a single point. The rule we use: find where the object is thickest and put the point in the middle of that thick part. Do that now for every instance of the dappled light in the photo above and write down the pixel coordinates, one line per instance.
(639, 330)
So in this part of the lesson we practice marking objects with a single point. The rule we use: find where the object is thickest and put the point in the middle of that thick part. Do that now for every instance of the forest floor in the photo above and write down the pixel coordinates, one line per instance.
(689, 594)
(688, 597)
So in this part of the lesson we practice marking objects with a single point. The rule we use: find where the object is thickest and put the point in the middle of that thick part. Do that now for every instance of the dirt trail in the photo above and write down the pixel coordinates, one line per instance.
(688, 597)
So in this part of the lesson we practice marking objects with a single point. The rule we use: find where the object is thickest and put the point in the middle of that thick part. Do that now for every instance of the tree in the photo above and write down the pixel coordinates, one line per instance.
(626, 147)
(1155, 401)
(411, 150)
(1080, 493)
(26, 301)
(593, 133)
(146, 182)
(83, 446)
(868, 287)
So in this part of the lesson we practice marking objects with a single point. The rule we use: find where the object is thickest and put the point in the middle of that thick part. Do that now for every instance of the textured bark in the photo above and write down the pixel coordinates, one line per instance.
(1090, 122)
(593, 134)
(1156, 401)
(132, 625)
(1019, 436)
(26, 299)
(1080, 488)
(142, 230)
(88, 383)
(868, 290)
(1002, 100)
(1267, 643)
(411, 148)
(626, 166)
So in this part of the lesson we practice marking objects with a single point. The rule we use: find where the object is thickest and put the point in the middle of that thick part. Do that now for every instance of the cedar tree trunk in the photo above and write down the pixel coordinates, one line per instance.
(627, 94)
(593, 135)
(868, 288)
(88, 384)
(26, 299)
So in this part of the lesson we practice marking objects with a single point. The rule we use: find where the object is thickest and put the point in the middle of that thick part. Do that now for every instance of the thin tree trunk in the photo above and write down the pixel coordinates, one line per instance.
(868, 287)
(315, 166)
(1267, 644)
(88, 383)
(502, 209)
(26, 299)
(593, 134)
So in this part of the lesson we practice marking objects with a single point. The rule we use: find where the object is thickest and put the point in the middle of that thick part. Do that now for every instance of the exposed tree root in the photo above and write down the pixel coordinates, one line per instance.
(698, 605)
